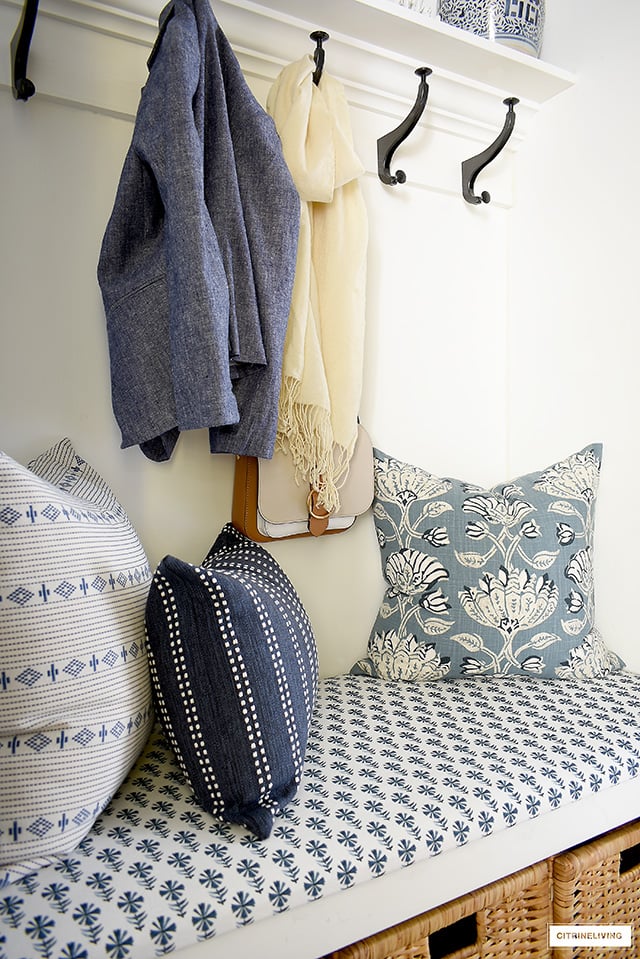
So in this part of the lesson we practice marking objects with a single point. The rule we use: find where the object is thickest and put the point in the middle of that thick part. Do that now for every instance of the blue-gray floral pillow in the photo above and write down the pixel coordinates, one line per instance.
(487, 581)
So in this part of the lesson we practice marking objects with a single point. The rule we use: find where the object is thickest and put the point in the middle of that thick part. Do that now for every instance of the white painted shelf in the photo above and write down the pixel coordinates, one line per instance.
(375, 45)
(383, 25)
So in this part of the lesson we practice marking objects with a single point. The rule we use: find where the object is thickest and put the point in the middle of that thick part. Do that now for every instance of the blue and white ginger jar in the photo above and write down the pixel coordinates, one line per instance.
(515, 23)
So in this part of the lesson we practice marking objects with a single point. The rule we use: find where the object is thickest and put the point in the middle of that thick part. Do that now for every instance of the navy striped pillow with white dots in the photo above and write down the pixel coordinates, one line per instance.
(234, 669)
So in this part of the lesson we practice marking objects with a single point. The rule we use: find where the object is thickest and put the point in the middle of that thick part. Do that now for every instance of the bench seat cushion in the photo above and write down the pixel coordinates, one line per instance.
(395, 774)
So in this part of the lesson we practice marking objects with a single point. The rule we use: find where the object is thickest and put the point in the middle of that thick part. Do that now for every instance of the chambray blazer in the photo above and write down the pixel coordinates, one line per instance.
(198, 258)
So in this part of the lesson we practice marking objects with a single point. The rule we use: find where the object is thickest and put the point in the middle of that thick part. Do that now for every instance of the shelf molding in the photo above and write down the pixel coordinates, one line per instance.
(374, 48)
(380, 28)
(476, 58)
(386, 29)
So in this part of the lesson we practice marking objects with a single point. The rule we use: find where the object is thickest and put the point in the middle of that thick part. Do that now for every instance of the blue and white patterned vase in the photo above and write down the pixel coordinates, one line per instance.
(515, 23)
(427, 7)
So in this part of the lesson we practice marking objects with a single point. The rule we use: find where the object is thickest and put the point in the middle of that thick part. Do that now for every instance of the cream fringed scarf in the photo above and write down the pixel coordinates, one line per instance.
(323, 351)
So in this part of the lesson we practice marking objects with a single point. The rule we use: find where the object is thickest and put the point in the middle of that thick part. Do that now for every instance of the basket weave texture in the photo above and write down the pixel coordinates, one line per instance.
(599, 883)
(508, 918)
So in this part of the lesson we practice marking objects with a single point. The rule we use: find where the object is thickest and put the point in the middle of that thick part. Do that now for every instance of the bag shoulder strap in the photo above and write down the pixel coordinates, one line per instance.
(245, 497)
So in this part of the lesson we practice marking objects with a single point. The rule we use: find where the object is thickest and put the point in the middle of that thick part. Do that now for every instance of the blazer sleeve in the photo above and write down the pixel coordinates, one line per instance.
(270, 206)
(161, 271)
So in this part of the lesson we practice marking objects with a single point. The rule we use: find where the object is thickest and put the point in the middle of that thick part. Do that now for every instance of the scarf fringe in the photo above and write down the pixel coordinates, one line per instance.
(305, 433)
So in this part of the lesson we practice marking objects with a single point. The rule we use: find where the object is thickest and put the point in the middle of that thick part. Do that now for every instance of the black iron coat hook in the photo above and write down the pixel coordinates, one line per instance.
(388, 144)
(20, 43)
(472, 167)
(318, 54)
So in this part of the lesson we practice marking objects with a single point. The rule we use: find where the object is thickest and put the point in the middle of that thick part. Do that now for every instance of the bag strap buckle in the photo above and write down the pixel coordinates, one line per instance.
(318, 515)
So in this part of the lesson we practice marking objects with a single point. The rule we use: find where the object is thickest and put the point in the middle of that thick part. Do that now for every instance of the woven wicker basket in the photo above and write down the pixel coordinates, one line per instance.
(599, 883)
(508, 918)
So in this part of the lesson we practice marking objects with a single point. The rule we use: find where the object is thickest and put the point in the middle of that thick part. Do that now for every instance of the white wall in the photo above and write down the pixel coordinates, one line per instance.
(573, 297)
(481, 325)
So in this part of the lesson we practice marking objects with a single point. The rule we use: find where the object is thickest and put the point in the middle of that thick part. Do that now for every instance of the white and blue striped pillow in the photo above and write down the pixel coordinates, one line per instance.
(75, 695)
(234, 668)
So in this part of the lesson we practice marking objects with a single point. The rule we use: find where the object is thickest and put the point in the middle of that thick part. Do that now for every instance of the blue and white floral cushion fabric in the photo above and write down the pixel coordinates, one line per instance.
(395, 773)
(487, 581)
(75, 694)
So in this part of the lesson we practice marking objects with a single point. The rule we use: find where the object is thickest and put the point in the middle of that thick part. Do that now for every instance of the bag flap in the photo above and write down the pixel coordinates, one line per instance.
(282, 500)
